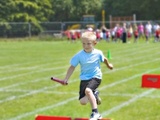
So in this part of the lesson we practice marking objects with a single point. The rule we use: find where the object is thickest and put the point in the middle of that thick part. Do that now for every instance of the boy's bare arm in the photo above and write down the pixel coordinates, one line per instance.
(69, 73)
(109, 65)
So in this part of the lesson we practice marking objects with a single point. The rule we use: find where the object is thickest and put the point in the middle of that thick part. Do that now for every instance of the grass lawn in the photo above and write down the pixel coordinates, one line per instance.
(26, 88)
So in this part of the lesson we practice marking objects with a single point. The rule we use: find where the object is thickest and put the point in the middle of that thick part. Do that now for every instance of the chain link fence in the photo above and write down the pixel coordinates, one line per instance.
(55, 29)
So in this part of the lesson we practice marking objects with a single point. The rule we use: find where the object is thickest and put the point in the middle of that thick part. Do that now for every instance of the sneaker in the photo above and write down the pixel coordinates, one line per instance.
(98, 99)
(95, 116)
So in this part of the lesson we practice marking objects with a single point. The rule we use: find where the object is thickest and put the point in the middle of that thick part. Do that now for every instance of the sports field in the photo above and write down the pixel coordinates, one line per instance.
(26, 88)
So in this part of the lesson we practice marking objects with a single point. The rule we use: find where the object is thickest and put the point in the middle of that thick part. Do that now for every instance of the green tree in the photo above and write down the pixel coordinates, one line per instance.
(82, 7)
(144, 9)
(4, 10)
(25, 10)
(72, 10)
(149, 10)
(63, 10)
(34, 11)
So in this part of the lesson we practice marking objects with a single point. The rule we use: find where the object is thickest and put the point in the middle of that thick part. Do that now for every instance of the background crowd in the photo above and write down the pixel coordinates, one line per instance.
(121, 33)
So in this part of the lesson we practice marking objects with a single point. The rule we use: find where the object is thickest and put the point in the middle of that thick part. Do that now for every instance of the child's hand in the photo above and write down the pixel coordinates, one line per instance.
(65, 82)
(110, 66)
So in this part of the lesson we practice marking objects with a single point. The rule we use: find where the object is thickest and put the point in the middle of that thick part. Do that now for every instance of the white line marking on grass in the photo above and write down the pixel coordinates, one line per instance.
(129, 66)
(31, 67)
(129, 95)
(125, 53)
(127, 79)
(23, 83)
(126, 50)
(23, 68)
(43, 109)
(47, 92)
(75, 93)
(107, 72)
(27, 94)
(30, 63)
(134, 99)
(14, 65)
(104, 113)
(20, 75)
(17, 84)
(31, 81)
(135, 58)
(32, 72)
(31, 93)
(40, 90)
(47, 106)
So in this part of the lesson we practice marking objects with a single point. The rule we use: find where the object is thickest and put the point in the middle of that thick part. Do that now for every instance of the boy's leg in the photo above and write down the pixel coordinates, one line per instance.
(86, 94)
(93, 85)
(98, 99)
(84, 100)
(91, 98)
(82, 97)
(89, 91)
(95, 114)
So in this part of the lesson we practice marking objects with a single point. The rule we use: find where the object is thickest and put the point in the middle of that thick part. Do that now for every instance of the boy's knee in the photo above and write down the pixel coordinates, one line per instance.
(88, 91)
(83, 101)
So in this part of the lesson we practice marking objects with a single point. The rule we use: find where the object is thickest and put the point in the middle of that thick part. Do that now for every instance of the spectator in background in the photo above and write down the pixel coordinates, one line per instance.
(124, 33)
(135, 31)
(141, 30)
(73, 35)
(113, 35)
(78, 34)
(68, 34)
(148, 29)
(98, 34)
(155, 29)
(146, 35)
(104, 30)
(129, 32)
(108, 35)
(118, 32)
(157, 35)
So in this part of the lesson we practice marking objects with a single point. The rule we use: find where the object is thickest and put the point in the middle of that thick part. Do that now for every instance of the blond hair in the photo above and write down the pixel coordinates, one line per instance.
(89, 35)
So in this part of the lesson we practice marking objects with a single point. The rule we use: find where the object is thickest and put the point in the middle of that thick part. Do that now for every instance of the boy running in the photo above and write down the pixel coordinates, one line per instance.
(89, 59)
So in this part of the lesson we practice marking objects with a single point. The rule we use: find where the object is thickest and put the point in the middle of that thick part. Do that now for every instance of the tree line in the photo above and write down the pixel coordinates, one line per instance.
(36, 11)
(72, 10)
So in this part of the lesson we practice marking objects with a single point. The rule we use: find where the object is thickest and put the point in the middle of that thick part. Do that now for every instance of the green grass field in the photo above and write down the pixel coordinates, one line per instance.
(26, 88)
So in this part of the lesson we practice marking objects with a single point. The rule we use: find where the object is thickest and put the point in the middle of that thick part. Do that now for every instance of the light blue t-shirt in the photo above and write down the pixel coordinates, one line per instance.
(89, 63)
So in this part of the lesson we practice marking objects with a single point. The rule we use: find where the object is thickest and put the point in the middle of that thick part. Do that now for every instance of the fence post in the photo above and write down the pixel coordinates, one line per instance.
(29, 29)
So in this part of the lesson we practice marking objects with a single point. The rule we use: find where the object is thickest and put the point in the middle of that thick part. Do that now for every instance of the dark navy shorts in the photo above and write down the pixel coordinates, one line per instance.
(91, 83)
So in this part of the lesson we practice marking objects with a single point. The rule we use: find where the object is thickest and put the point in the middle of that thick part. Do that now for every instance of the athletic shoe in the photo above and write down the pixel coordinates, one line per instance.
(98, 99)
(95, 116)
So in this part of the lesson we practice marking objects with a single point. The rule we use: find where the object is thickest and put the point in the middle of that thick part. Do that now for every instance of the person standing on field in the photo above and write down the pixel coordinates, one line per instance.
(141, 30)
(135, 32)
(89, 59)
(124, 33)
(148, 29)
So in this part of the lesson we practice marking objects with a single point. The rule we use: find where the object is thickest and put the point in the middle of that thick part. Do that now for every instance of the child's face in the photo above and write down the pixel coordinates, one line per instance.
(88, 45)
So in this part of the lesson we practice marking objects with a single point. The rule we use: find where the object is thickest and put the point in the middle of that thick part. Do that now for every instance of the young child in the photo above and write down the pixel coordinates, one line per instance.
(89, 59)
